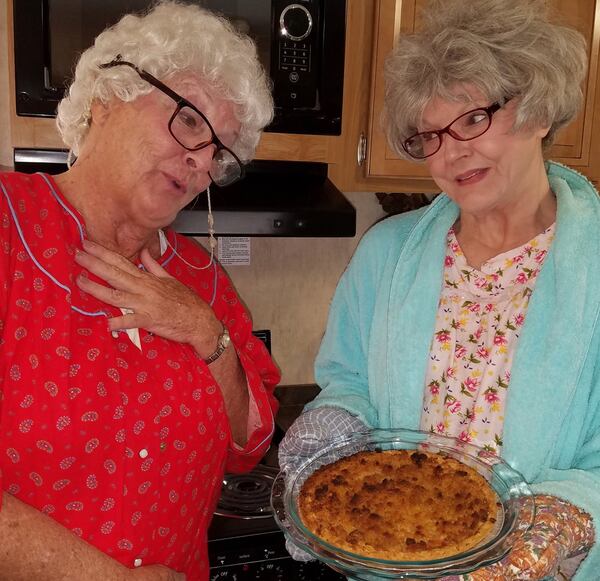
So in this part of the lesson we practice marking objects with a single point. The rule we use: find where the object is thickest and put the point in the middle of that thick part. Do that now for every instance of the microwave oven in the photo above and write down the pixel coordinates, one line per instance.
(301, 44)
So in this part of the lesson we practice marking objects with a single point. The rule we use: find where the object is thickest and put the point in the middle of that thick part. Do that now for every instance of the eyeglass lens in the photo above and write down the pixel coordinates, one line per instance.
(468, 126)
(191, 130)
(225, 168)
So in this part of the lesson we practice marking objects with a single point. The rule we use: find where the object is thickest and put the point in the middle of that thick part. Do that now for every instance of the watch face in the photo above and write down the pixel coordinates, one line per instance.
(222, 343)
(225, 338)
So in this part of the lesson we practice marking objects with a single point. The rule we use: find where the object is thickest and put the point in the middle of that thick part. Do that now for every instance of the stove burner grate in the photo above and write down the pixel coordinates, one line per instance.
(247, 496)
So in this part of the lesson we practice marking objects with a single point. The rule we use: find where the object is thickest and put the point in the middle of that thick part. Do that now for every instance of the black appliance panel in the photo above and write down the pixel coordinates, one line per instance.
(262, 556)
(300, 43)
(241, 549)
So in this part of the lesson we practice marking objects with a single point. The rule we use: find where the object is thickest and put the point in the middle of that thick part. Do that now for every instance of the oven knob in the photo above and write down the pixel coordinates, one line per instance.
(295, 22)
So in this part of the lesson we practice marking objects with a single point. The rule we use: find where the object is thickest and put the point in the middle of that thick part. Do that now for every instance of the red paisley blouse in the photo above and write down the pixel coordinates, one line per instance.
(124, 446)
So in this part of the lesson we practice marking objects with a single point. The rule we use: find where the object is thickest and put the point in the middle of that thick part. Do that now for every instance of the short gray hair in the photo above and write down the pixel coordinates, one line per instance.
(172, 37)
(505, 48)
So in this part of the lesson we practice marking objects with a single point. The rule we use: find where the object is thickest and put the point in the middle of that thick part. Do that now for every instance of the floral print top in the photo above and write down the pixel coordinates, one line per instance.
(479, 320)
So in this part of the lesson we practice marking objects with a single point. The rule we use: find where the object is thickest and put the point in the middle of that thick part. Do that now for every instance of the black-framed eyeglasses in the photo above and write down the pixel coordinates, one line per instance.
(192, 130)
(467, 126)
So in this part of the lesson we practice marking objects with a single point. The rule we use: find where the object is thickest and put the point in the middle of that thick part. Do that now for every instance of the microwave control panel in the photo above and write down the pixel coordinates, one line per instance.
(294, 61)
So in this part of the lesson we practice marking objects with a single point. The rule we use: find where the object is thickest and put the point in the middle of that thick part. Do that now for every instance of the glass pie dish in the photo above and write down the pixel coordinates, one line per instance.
(516, 507)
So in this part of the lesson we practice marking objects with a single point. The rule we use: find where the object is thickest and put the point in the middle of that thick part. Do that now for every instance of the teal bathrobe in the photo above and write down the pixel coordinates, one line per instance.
(375, 352)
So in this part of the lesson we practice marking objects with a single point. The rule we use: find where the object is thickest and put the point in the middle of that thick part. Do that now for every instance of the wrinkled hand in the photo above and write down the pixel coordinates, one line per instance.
(154, 573)
(159, 302)
(560, 530)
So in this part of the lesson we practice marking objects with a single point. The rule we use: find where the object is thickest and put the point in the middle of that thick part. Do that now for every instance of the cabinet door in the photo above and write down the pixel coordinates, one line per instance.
(574, 144)
(394, 17)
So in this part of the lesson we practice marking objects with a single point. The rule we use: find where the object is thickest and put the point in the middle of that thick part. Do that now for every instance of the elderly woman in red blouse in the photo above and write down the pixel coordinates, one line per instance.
(129, 376)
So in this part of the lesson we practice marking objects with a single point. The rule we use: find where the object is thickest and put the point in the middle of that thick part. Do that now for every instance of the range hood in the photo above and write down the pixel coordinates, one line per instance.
(276, 198)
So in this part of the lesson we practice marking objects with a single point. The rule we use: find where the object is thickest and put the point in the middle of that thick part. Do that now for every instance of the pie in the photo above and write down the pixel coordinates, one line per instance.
(399, 505)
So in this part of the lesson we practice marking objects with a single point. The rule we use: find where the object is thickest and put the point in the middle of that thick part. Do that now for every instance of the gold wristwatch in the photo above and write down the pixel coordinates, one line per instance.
(222, 344)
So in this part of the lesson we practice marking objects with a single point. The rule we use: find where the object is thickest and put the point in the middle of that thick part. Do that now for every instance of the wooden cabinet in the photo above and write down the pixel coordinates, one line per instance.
(392, 18)
(573, 144)
(371, 29)
(577, 145)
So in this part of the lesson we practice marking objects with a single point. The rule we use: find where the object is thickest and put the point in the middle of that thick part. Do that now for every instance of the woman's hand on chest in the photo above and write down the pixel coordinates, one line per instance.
(158, 302)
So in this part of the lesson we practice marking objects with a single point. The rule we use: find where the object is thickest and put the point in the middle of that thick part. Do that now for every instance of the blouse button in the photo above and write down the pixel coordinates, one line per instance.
(143, 453)
(137, 563)
(163, 446)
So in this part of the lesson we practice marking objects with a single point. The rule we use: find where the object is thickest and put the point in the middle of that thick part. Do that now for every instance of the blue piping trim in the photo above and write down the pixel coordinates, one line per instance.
(35, 260)
(82, 236)
(63, 205)
(173, 252)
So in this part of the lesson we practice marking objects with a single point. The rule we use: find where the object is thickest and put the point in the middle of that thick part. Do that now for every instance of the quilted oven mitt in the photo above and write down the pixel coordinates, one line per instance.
(560, 530)
(306, 436)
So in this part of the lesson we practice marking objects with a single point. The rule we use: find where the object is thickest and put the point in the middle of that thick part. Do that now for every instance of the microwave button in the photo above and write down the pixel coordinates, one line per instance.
(294, 77)
(295, 22)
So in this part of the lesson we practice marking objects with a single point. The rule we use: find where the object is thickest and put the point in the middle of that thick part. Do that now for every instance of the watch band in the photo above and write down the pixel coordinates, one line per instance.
(222, 344)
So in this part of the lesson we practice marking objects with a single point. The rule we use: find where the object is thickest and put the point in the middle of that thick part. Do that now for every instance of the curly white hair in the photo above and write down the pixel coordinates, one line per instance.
(171, 37)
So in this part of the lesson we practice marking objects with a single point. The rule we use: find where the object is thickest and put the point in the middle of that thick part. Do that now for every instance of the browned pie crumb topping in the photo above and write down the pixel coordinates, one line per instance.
(399, 505)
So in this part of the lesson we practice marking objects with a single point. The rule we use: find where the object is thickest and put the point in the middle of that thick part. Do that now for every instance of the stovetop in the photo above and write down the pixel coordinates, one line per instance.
(244, 540)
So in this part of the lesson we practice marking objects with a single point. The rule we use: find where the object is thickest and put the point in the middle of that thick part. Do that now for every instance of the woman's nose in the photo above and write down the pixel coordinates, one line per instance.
(453, 148)
(201, 159)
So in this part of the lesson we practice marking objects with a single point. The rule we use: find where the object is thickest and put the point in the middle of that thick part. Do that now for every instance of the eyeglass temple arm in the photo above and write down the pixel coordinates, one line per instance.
(147, 77)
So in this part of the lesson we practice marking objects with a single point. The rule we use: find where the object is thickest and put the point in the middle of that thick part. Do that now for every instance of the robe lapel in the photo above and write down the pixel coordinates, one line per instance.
(413, 304)
(556, 335)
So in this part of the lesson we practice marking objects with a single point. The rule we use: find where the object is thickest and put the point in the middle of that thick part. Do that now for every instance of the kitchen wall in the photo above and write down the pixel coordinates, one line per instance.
(289, 284)
(290, 281)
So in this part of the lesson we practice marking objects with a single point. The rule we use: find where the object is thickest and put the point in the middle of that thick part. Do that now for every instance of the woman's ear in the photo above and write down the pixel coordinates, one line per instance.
(543, 131)
(99, 112)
